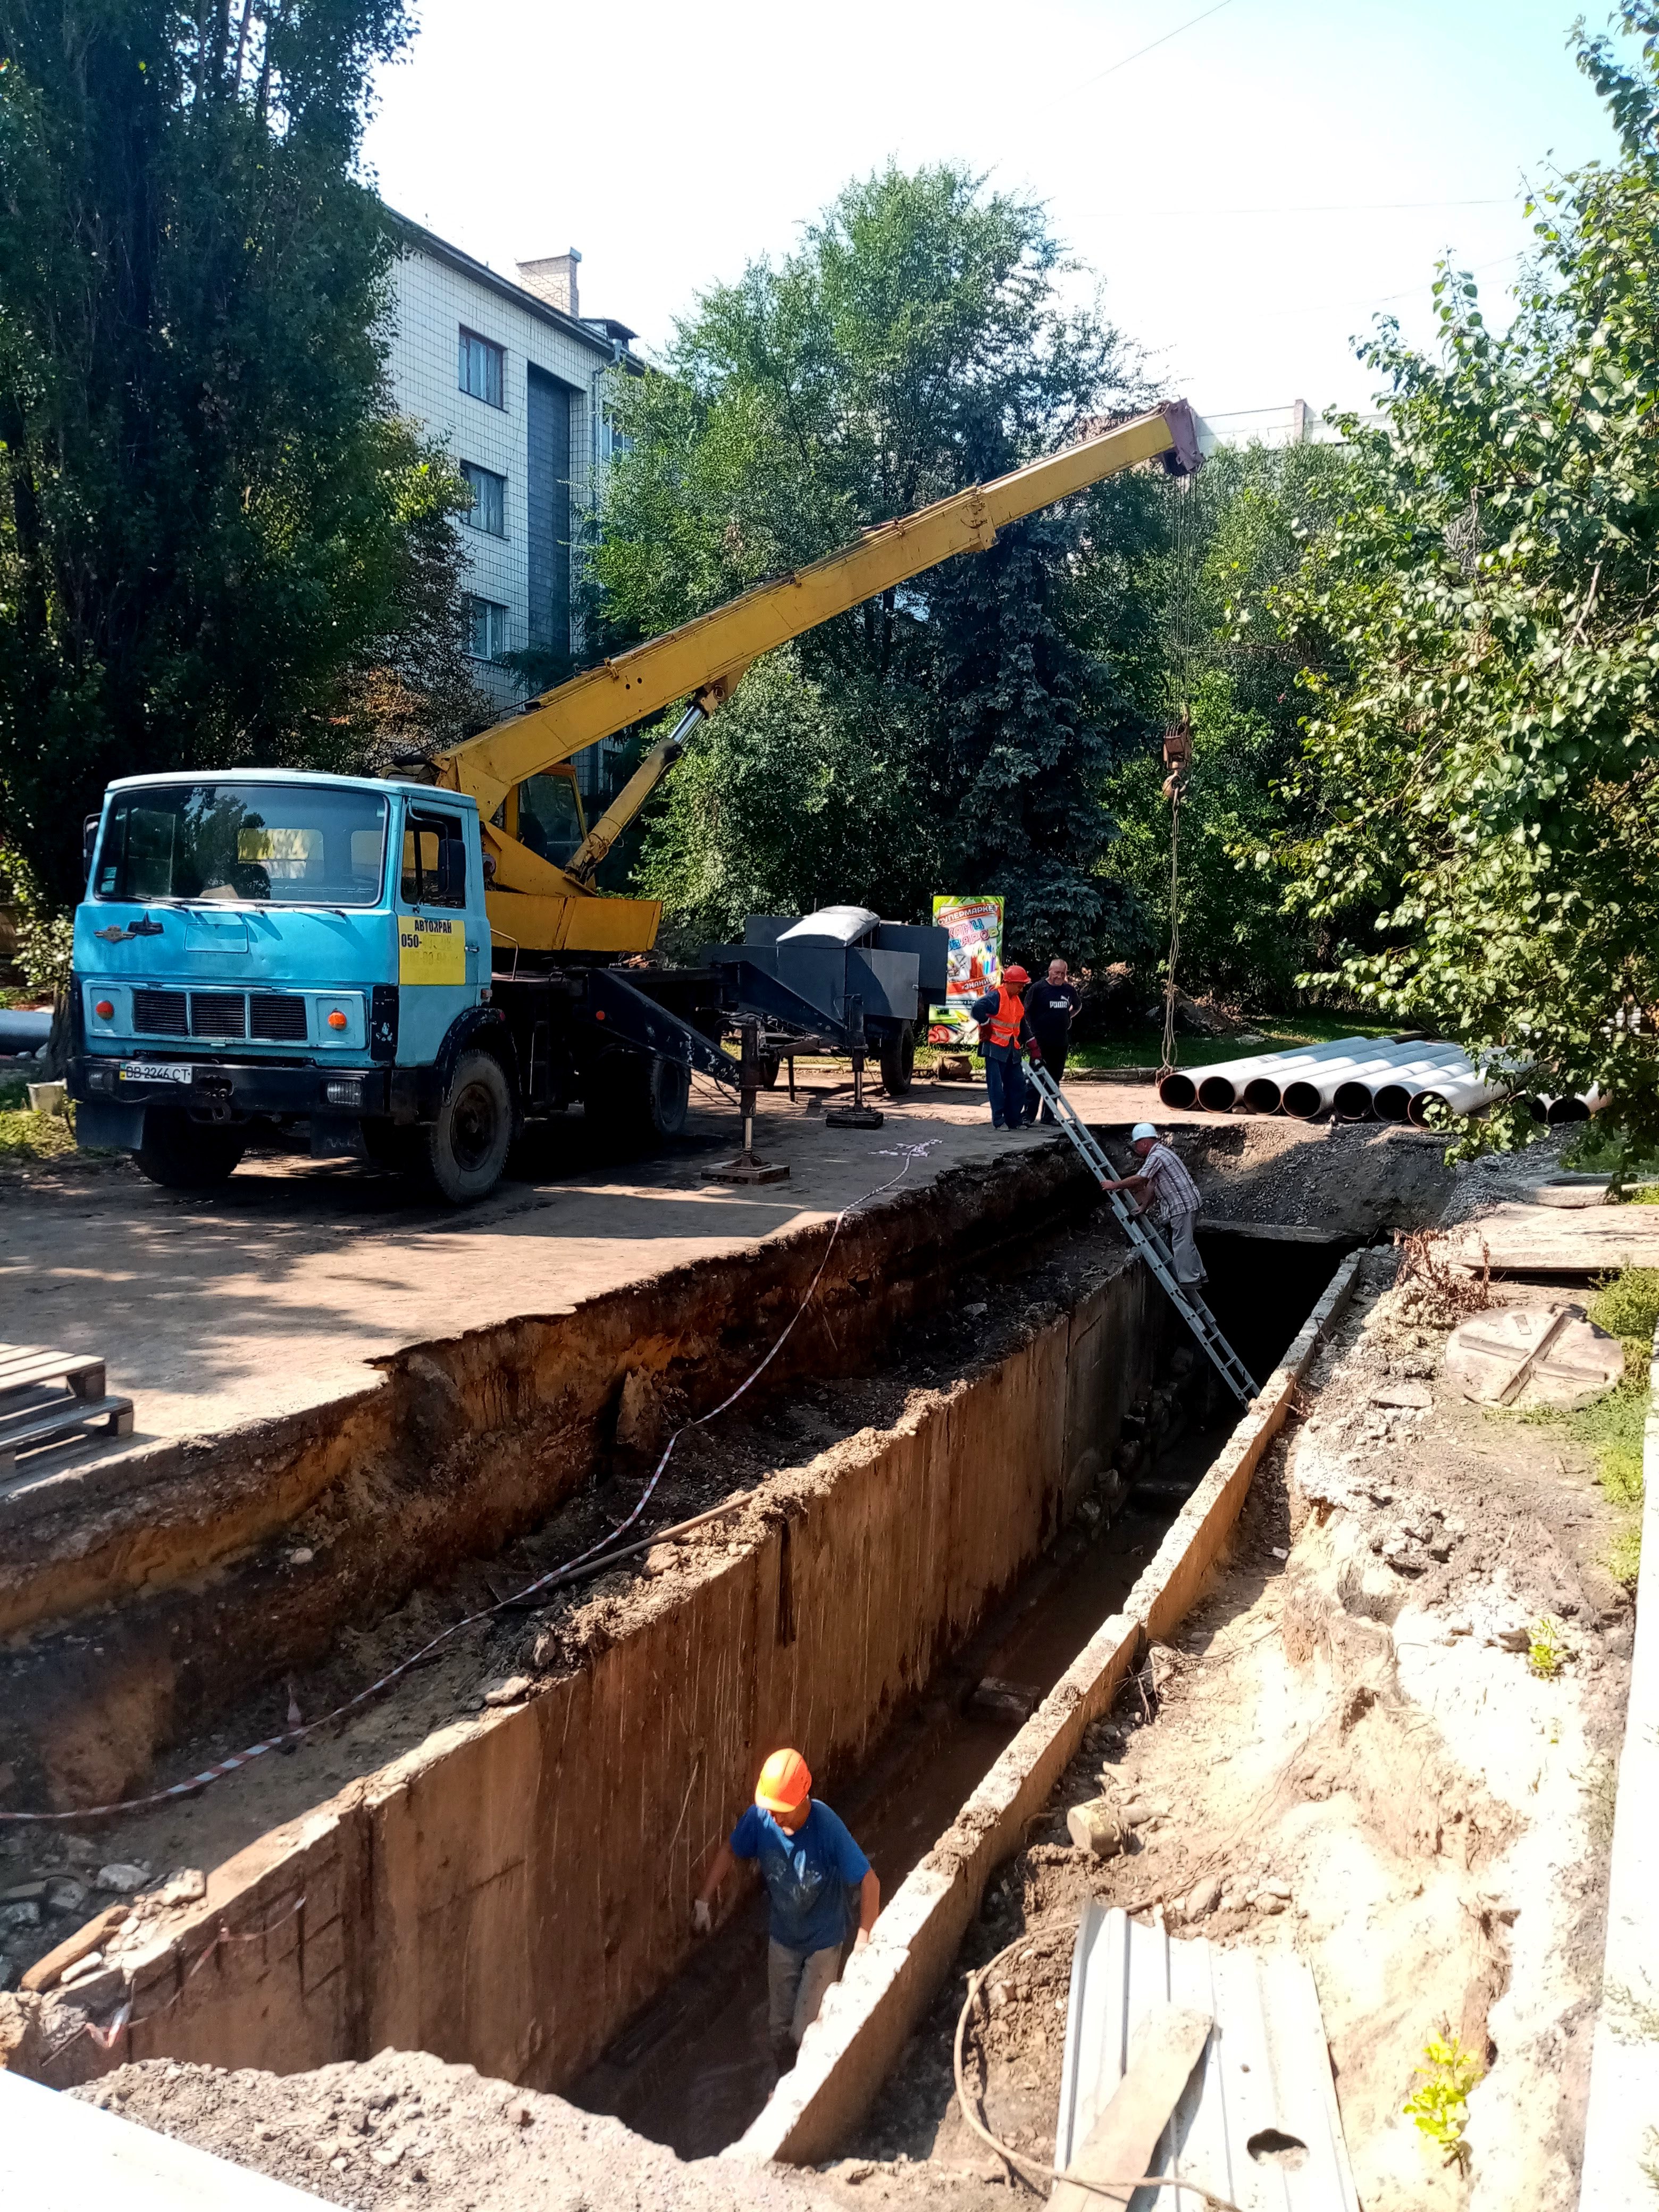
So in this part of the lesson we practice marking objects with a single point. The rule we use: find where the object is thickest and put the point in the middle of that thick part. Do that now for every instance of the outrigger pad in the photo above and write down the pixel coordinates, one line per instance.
(853, 1117)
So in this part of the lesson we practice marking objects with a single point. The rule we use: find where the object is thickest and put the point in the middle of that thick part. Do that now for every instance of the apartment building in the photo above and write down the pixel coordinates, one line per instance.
(512, 378)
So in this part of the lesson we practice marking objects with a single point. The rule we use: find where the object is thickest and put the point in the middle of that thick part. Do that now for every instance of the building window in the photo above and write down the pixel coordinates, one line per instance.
(486, 631)
(481, 369)
(488, 499)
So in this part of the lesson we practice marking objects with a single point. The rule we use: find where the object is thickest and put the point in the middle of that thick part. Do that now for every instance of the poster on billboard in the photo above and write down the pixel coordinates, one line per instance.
(972, 966)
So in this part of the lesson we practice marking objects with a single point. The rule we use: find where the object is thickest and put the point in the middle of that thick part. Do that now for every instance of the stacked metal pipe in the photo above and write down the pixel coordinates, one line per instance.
(1356, 1079)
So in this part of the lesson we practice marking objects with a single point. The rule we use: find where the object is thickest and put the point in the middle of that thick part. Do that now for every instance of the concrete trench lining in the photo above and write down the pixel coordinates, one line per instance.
(511, 1894)
(1620, 2146)
(179, 1554)
(851, 2051)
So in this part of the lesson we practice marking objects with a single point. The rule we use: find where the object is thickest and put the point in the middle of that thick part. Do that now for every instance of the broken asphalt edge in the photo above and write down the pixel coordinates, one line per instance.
(849, 2053)
(1620, 2138)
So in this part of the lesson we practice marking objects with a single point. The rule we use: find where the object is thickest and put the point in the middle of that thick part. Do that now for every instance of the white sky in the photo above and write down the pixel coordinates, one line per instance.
(1238, 190)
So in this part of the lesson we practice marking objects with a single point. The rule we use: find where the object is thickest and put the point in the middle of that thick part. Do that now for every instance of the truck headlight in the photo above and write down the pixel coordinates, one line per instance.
(348, 1091)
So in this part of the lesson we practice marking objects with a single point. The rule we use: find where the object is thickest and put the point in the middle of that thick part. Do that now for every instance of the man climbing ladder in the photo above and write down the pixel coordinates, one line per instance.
(1146, 1236)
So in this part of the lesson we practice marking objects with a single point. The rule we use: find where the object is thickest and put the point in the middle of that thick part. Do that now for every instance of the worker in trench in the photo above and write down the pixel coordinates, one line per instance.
(811, 1868)
(1004, 1032)
(1162, 1188)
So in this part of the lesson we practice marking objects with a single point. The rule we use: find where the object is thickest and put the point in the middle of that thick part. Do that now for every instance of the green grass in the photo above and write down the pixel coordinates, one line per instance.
(26, 1136)
(1278, 1033)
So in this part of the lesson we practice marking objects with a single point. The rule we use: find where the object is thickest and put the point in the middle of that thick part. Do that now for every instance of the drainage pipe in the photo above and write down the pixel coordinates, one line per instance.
(1219, 1086)
(1578, 1107)
(1312, 1093)
(1390, 1096)
(1222, 1084)
(1458, 1094)
(1266, 1091)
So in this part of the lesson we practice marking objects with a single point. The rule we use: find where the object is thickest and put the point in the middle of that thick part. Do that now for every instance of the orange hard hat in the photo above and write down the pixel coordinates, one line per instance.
(785, 1782)
(1015, 974)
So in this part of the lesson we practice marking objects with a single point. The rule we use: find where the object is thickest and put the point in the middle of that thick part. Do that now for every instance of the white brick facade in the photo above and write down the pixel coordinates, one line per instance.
(439, 292)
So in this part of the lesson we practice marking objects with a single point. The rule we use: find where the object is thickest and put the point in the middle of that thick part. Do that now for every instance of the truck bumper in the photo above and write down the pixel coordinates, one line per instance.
(111, 1099)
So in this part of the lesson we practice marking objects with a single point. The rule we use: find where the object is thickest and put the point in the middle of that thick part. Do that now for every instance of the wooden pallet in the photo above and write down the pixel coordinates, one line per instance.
(33, 1417)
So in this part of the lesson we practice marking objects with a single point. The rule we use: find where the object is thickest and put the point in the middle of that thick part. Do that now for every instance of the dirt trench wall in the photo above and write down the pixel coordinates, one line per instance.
(513, 1891)
(470, 1441)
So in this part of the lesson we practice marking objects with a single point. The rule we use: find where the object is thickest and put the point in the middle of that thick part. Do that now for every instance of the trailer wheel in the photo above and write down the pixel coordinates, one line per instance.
(640, 1098)
(187, 1155)
(898, 1061)
(463, 1153)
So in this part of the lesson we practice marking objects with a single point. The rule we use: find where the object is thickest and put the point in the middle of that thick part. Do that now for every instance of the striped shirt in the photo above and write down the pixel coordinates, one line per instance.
(1173, 1191)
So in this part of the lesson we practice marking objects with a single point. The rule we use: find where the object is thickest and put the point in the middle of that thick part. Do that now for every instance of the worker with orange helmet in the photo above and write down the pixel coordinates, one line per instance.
(810, 1865)
(1004, 1032)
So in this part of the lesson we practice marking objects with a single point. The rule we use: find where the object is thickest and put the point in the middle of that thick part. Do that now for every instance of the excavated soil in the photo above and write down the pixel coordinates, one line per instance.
(1347, 1753)
(404, 2130)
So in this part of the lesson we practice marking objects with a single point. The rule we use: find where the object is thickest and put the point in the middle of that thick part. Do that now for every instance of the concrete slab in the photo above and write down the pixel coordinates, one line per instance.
(59, 2155)
(277, 1293)
(1552, 1240)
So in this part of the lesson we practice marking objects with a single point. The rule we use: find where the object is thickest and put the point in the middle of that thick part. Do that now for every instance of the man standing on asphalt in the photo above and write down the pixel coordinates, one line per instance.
(1168, 1195)
(809, 1863)
(1002, 1029)
(1049, 1007)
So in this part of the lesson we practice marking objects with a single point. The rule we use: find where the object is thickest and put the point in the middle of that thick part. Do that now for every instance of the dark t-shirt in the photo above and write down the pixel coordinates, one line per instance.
(1050, 1008)
(807, 1875)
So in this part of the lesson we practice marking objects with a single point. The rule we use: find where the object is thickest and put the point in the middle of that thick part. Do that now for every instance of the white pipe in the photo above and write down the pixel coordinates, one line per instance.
(1264, 1091)
(1311, 1094)
(1391, 1094)
(1234, 1074)
(1465, 1094)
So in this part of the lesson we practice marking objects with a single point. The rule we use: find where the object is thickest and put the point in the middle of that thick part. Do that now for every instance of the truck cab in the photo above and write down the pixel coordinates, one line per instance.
(266, 951)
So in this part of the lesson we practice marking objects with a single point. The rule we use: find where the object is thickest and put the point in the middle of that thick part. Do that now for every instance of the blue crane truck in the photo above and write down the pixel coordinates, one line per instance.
(285, 956)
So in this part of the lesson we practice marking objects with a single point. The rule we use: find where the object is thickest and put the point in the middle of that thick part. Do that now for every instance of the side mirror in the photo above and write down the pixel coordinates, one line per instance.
(88, 845)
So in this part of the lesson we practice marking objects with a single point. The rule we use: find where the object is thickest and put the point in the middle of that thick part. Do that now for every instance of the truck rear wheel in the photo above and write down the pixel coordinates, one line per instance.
(640, 1097)
(898, 1061)
(463, 1153)
(187, 1155)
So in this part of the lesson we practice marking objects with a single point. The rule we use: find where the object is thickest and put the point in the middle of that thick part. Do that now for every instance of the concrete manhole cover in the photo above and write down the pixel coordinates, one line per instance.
(1534, 1356)
(1573, 1191)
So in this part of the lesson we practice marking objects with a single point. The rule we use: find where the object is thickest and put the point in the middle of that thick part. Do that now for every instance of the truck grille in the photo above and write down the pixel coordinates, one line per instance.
(161, 1013)
(278, 1015)
(218, 1014)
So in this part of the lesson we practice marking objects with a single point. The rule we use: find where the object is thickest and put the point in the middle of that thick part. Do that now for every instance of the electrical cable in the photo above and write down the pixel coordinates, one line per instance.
(907, 1155)
(1022, 2158)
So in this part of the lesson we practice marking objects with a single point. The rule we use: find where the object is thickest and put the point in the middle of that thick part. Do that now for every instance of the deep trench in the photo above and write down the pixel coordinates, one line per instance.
(442, 1913)
(694, 2067)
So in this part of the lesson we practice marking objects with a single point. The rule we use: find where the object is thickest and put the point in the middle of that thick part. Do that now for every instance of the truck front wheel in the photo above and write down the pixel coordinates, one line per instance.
(187, 1155)
(465, 1150)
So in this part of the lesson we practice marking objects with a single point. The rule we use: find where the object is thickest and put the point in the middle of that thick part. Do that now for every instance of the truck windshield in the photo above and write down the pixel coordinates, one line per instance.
(276, 844)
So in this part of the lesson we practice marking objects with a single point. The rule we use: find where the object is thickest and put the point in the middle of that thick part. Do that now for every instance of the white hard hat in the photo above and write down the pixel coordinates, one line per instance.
(1142, 1129)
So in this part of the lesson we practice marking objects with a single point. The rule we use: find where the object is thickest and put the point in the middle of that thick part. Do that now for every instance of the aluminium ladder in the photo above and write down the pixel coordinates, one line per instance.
(1146, 1239)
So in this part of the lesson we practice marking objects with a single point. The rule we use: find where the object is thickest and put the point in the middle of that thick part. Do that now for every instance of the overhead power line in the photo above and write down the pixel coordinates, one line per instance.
(1112, 68)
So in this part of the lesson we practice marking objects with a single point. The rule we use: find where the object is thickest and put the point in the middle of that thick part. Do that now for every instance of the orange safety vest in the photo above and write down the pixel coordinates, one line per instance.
(1003, 1028)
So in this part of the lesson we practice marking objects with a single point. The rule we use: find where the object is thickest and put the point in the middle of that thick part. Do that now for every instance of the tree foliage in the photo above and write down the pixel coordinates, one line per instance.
(951, 734)
(1482, 771)
(215, 544)
(1179, 603)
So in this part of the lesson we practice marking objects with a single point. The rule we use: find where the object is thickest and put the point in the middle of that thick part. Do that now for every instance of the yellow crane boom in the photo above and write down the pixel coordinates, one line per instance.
(539, 906)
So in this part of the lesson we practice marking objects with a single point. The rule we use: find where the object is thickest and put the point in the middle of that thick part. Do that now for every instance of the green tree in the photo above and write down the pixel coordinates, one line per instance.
(216, 545)
(1482, 773)
(953, 734)
(1179, 605)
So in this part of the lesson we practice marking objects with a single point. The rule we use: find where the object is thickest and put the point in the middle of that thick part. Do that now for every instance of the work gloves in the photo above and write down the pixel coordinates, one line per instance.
(702, 1918)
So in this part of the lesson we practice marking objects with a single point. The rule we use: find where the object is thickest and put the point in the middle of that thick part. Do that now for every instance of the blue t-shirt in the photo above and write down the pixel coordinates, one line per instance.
(806, 1875)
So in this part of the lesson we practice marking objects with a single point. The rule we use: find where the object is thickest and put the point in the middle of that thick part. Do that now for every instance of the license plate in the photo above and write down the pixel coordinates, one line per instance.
(155, 1071)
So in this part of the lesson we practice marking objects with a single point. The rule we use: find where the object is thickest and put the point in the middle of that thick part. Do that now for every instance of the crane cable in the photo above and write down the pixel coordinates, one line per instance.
(1183, 622)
